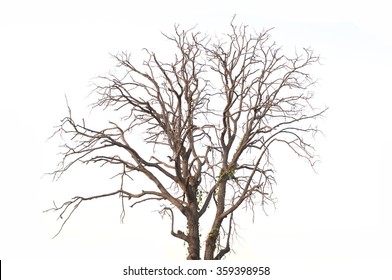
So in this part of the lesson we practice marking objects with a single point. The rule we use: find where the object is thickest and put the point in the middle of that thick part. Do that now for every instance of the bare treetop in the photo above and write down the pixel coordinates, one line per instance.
(209, 118)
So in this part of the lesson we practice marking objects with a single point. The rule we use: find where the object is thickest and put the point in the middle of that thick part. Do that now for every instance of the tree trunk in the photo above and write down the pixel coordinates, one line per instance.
(213, 235)
(193, 233)
(211, 240)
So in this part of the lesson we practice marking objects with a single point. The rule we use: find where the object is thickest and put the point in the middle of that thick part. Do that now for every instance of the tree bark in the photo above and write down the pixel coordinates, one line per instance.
(213, 235)
(211, 240)
(193, 233)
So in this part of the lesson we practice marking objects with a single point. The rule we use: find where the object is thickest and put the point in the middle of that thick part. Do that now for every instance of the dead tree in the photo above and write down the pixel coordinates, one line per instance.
(209, 119)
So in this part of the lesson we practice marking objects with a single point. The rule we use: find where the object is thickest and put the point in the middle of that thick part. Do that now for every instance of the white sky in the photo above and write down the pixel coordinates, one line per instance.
(49, 49)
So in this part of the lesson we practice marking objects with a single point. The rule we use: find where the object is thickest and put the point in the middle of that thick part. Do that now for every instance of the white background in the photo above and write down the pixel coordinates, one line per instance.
(339, 216)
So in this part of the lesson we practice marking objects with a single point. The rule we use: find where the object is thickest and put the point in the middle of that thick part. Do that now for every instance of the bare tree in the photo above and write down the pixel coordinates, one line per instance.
(209, 119)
